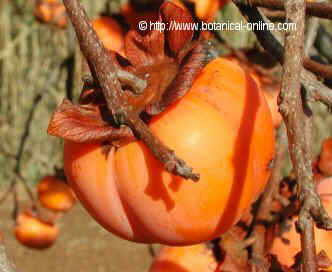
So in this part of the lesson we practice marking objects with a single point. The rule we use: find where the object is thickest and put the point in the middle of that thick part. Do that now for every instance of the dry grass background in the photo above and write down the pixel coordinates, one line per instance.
(33, 62)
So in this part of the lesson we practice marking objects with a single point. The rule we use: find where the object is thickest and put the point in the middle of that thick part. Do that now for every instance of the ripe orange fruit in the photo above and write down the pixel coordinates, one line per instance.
(110, 33)
(197, 258)
(222, 127)
(206, 10)
(52, 12)
(287, 252)
(32, 232)
(55, 194)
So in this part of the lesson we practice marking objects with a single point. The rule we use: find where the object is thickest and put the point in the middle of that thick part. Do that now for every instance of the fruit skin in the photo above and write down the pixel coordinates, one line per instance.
(34, 233)
(110, 33)
(287, 252)
(325, 158)
(55, 194)
(270, 89)
(197, 258)
(222, 127)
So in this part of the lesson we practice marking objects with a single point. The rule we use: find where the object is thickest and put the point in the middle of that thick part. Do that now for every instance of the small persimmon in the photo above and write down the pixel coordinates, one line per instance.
(197, 258)
(55, 194)
(286, 252)
(33, 232)
(325, 158)
(52, 12)
(222, 127)
(110, 33)
(206, 10)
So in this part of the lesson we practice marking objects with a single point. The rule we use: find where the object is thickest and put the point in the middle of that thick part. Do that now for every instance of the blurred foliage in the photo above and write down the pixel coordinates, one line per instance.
(37, 59)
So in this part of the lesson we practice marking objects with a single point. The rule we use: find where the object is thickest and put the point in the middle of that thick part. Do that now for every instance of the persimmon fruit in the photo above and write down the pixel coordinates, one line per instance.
(55, 194)
(206, 10)
(196, 258)
(287, 252)
(51, 12)
(33, 232)
(110, 33)
(222, 128)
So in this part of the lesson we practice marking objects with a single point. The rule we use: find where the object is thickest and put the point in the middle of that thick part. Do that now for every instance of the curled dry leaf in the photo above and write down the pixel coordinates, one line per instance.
(83, 124)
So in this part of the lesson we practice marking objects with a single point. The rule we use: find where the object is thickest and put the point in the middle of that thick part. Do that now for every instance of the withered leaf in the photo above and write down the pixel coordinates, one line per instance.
(83, 125)
(144, 50)
(179, 22)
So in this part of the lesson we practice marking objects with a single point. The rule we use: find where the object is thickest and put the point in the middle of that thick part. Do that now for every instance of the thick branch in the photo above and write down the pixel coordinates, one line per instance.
(105, 72)
(299, 135)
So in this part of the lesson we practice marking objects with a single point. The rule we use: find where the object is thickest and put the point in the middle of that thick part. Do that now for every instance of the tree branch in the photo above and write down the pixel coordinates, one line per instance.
(299, 128)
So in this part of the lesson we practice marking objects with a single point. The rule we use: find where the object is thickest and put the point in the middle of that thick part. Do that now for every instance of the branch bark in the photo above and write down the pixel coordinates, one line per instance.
(298, 128)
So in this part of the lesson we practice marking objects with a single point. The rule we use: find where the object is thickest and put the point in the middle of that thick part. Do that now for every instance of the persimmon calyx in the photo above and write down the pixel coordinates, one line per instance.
(156, 57)
(84, 124)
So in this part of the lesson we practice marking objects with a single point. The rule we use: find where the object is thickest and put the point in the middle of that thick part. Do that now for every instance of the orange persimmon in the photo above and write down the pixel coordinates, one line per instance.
(325, 158)
(222, 128)
(110, 33)
(55, 194)
(33, 232)
(206, 10)
(286, 252)
(52, 12)
(189, 258)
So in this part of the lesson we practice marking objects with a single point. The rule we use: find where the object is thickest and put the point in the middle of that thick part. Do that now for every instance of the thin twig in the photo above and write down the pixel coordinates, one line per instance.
(268, 38)
(263, 214)
(322, 10)
(274, 45)
(105, 72)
